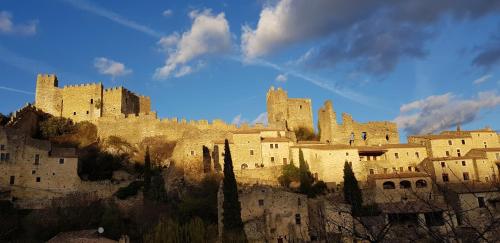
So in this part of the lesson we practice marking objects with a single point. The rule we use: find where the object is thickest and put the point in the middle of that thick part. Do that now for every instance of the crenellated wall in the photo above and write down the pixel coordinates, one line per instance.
(284, 112)
(79, 101)
(354, 133)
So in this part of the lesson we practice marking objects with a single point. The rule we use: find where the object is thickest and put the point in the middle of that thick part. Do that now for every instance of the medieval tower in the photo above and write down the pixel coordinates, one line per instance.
(289, 113)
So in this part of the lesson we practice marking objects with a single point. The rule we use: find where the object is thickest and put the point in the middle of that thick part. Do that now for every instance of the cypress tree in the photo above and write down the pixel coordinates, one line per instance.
(147, 171)
(352, 193)
(305, 175)
(206, 160)
(231, 216)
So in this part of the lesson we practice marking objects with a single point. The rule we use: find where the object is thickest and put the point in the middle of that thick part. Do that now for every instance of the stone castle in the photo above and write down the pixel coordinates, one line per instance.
(86, 102)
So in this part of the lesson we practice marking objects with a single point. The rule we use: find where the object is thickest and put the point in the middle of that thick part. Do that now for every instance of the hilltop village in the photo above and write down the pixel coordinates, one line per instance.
(433, 188)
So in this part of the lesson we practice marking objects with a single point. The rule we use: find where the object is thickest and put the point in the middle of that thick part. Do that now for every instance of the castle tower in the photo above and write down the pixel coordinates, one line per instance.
(277, 108)
(48, 95)
(327, 122)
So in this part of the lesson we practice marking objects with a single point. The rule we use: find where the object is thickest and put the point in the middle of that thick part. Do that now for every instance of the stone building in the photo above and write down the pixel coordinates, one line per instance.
(271, 214)
(32, 168)
(288, 113)
(86, 102)
(353, 133)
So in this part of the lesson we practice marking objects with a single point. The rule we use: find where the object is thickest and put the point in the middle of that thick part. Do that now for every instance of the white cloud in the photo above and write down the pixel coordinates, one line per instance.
(109, 67)
(209, 34)
(168, 12)
(168, 42)
(261, 118)
(482, 79)
(115, 17)
(8, 27)
(436, 113)
(281, 78)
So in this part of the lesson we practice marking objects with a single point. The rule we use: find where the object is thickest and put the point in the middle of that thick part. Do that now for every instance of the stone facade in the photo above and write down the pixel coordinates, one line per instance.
(288, 113)
(271, 214)
(86, 102)
(353, 133)
(34, 168)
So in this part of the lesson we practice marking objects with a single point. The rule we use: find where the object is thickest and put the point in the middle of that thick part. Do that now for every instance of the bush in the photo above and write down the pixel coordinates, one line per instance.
(56, 126)
(98, 165)
(195, 230)
(304, 134)
(160, 149)
(318, 188)
(129, 191)
(290, 173)
(83, 134)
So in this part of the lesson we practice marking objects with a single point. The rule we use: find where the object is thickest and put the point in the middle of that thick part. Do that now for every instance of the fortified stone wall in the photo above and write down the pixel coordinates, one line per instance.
(353, 133)
(284, 112)
(48, 96)
(78, 101)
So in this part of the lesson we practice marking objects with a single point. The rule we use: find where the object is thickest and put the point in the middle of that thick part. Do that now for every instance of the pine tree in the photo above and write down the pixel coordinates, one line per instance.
(147, 171)
(352, 193)
(231, 216)
(206, 160)
(305, 175)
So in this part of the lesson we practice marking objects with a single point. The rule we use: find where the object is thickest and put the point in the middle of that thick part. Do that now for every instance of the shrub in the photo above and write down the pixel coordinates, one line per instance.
(290, 173)
(98, 165)
(304, 134)
(129, 191)
(56, 126)
(318, 188)
(160, 149)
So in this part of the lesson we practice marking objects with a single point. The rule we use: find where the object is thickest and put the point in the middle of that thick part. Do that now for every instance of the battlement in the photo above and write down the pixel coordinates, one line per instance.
(72, 86)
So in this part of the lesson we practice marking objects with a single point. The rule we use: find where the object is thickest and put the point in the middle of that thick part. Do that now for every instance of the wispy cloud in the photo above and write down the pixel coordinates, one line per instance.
(168, 12)
(322, 83)
(17, 90)
(281, 78)
(110, 67)
(239, 119)
(7, 26)
(482, 79)
(115, 17)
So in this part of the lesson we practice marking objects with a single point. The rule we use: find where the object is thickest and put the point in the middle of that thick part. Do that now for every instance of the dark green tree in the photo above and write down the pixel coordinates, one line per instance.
(306, 179)
(206, 160)
(157, 191)
(352, 193)
(147, 171)
(231, 216)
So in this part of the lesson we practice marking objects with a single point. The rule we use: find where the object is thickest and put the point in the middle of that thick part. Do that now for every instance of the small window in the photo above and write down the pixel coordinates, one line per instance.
(2, 157)
(33, 172)
(485, 145)
(61, 161)
(449, 142)
(2, 146)
(297, 218)
(38, 179)
(251, 151)
(445, 177)
(271, 145)
(387, 137)
(261, 202)
(299, 202)
(285, 162)
(466, 176)
(364, 136)
(447, 153)
(481, 202)
(458, 153)
(192, 152)
(272, 159)
(346, 153)
(91, 101)
(463, 141)
(443, 164)
(421, 184)
(417, 155)
(463, 163)
(37, 159)
(74, 113)
(276, 146)
(7, 157)
(300, 106)
(372, 172)
(12, 180)
(244, 166)
(409, 168)
(396, 155)
(400, 169)
(405, 184)
(87, 112)
(389, 185)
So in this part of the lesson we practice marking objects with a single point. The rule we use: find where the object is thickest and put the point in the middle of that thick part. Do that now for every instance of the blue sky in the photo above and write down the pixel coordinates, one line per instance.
(427, 65)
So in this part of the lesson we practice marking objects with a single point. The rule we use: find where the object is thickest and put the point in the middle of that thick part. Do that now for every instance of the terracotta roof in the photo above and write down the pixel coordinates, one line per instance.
(278, 139)
(487, 149)
(397, 175)
(471, 187)
(371, 149)
(402, 145)
(442, 136)
(325, 147)
(310, 142)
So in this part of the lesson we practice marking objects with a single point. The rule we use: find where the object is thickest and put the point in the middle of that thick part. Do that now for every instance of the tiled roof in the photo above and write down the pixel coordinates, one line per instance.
(397, 175)
(325, 147)
(277, 139)
(442, 136)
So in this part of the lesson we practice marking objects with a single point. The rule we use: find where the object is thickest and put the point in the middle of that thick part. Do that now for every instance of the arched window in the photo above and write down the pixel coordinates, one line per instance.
(389, 185)
(405, 184)
(421, 184)
(244, 166)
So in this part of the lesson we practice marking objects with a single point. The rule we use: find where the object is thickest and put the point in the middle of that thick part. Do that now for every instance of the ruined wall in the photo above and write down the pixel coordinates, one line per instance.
(48, 97)
(284, 112)
(353, 133)
(79, 101)
(130, 102)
